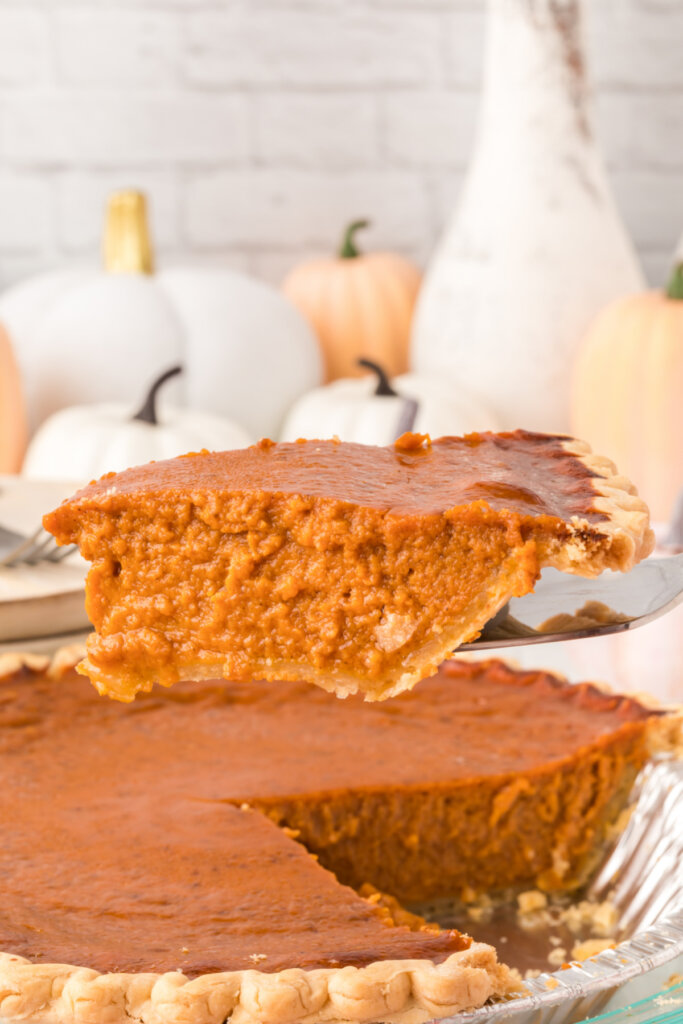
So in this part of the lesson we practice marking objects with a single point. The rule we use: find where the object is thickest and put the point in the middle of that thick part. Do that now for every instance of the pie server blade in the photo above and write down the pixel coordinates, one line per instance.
(564, 607)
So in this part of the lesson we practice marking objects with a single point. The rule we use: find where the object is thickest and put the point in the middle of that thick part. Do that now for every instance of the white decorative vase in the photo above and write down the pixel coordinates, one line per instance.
(536, 247)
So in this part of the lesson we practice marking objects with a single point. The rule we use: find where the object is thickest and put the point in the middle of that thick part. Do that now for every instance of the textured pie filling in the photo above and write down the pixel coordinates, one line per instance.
(354, 566)
(196, 886)
(125, 847)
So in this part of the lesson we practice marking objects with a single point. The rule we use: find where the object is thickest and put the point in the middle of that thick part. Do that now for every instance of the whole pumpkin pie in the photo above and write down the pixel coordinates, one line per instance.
(346, 565)
(156, 859)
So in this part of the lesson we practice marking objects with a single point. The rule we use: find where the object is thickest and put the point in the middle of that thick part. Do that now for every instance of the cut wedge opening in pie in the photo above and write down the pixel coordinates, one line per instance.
(217, 851)
(346, 565)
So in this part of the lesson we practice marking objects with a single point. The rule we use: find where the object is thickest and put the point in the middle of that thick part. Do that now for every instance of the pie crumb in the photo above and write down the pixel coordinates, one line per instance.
(478, 906)
(584, 950)
(531, 900)
(615, 830)
(560, 863)
(478, 913)
(600, 918)
(557, 956)
(532, 910)
(257, 957)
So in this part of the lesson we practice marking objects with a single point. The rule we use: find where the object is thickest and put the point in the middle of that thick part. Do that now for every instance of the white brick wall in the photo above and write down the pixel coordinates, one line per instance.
(258, 127)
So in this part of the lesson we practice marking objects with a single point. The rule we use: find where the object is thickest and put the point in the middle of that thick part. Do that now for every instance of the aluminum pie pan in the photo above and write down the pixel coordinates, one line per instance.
(643, 874)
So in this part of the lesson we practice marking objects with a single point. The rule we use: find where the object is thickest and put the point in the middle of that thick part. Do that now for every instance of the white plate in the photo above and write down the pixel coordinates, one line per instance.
(45, 599)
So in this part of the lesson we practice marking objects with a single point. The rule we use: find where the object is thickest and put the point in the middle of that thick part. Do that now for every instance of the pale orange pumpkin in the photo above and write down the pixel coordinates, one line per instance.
(628, 391)
(13, 430)
(359, 305)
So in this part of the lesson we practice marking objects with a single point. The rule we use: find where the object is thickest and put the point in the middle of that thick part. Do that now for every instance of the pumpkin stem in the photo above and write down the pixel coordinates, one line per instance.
(675, 286)
(384, 388)
(347, 250)
(147, 413)
(126, 244)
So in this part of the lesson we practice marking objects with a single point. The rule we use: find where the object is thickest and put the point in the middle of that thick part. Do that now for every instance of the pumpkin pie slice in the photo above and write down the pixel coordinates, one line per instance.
(350, 566)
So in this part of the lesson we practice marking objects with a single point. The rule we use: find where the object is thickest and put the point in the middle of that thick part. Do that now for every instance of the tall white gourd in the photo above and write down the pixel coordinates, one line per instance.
(536, 247)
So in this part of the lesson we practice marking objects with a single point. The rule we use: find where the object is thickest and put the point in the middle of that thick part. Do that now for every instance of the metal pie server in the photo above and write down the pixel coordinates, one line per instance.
(564, 607)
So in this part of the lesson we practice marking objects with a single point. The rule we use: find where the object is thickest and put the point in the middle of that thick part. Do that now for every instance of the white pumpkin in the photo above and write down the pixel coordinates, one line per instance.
(86, 441)
(83, 335)
(374, 410)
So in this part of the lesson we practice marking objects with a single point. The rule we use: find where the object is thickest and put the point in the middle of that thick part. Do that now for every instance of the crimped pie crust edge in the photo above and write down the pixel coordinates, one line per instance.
(627, 526)
(400, 991)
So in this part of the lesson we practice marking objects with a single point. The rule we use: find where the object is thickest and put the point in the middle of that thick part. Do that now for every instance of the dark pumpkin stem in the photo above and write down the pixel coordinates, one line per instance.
(347, 250)
(384, 388)
(147, 413)
(675, 287)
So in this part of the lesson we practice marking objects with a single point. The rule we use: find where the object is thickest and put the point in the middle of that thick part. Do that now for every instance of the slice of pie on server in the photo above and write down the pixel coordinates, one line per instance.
(354, 567)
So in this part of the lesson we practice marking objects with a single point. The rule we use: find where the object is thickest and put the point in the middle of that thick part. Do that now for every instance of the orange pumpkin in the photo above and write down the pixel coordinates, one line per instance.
(628, 391)
(13, 431)
(359, 304)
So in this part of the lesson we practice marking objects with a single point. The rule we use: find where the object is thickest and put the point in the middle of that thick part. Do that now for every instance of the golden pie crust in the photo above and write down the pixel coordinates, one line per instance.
(410, 991)
(352, 567)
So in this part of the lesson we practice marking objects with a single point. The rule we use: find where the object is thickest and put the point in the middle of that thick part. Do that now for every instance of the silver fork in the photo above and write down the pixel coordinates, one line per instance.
(18, 549)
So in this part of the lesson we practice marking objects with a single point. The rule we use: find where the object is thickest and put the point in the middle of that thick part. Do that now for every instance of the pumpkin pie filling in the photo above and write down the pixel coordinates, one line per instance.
(354, 567)
(193, 886)
(141, 855)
